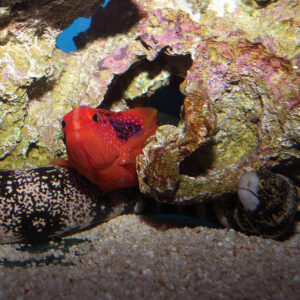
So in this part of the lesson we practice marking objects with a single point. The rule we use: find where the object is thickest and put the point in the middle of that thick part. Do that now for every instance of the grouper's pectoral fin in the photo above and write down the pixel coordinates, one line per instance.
(133, 147)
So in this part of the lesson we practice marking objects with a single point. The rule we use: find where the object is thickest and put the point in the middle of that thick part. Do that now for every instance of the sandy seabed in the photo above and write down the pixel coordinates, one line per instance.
(133, 257)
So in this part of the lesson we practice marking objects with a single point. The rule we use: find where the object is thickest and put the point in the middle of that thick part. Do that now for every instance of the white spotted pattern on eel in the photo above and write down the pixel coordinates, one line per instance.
(36, 204)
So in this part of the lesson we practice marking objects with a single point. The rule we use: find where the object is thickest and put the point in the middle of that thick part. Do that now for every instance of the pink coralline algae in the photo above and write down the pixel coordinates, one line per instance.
(115, 62)
(175, 31)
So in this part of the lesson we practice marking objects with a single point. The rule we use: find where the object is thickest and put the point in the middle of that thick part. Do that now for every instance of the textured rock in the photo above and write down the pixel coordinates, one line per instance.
(273, 23)
(159, 165)
(249, 116)
(29, 71)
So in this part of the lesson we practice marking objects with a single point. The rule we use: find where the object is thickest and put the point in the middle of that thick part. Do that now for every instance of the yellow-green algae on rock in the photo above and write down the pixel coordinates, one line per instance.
(273, 23)
(22, 69)
(29, 71)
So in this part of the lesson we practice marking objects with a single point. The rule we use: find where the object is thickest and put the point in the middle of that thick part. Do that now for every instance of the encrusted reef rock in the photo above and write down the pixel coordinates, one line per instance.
(241, 109)
(273, 23)
(30, 75)
(159, 165)
(248, 118)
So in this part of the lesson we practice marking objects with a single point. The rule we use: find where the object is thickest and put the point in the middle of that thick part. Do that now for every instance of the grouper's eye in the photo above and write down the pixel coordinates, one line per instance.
(95, 117)
(63, 124)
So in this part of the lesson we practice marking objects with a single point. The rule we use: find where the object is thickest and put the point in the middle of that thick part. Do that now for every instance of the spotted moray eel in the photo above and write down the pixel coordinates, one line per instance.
(37, 204)
(40, 203)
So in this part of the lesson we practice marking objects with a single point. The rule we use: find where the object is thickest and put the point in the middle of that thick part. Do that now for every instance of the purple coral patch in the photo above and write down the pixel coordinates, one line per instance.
(122, 53)
(101, 65)
(118, 62)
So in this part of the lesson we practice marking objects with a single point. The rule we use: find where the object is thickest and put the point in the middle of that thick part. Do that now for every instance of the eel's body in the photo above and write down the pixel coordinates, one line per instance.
(41, 203)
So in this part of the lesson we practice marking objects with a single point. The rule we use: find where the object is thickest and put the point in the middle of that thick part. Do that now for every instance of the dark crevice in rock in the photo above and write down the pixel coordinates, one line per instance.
(59, 14)
(119, 16)
(167, 100)
(31, 150)
(120, 83)
(21, 6)
(264, 2)
(38, 155)
(39, 88)
(199, 161)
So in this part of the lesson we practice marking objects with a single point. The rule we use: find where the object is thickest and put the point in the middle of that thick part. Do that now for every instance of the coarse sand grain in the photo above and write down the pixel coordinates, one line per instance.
(133, 257)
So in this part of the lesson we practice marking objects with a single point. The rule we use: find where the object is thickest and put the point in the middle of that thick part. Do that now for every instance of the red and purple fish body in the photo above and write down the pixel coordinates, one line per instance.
(103, 145)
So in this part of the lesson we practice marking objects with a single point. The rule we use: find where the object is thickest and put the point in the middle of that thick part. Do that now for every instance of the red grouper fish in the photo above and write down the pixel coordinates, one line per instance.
(103, 145)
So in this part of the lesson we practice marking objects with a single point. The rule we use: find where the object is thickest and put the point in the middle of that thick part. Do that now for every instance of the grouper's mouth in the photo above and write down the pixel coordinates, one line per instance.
(81, 155)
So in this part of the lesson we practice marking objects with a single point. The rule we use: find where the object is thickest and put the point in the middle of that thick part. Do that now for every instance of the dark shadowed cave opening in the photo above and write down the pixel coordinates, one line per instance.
(199, 161)
(168, 99)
